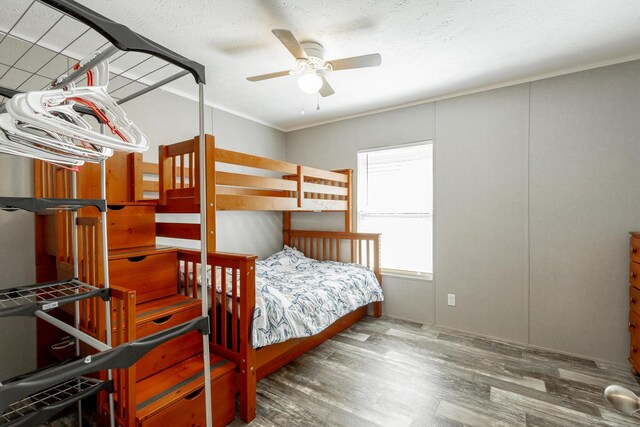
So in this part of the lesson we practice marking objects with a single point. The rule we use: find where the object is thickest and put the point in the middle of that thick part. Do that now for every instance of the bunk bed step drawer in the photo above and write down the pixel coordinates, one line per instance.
(152, 276)
(131, 226)
(168, 354)
(175, 396)
(155, 316)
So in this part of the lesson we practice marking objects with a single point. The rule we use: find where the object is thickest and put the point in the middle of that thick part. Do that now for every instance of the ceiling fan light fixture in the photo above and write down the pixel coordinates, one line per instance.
(310, 82)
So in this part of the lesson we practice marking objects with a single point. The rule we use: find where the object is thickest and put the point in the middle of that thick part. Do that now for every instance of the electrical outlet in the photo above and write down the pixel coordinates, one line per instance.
(451, 299)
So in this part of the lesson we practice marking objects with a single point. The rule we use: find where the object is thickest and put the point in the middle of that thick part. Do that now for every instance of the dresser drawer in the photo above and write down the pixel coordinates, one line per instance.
(634, 354)
(154, 318)
(131, 226)
(634, 325)
(151, 276)
(634, 299)
(634, 250)
(634, 274)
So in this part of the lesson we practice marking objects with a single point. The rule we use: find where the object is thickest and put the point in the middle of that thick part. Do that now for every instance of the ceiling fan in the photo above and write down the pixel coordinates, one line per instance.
(312, 67)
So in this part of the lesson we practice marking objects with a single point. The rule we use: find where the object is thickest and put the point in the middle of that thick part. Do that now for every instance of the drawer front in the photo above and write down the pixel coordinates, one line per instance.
(634, 355)
(634, 325)
(131, 226)
(189, 411)
(634, 251)
(634, 274)
(634, 299)
(168, 354)
(151, 276)
(172, 352)
(161, 322)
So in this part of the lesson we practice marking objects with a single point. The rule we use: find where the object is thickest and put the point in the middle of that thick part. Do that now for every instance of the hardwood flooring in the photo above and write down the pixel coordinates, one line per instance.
(391, 373)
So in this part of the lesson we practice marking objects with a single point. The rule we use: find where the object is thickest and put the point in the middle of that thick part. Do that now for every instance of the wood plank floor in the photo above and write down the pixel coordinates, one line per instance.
(387, 372)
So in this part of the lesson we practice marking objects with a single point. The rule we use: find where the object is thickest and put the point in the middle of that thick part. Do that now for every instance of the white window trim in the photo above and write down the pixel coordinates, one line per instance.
(406, 274)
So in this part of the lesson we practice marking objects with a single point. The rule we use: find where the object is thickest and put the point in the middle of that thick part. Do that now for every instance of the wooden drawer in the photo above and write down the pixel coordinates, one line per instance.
(130, 226)
(634, 325)
(634, 250)
(634, 299)
(634, 355)
(634, 274)
(157, 315)
(168, 354)
(176, 398)
(152, 276)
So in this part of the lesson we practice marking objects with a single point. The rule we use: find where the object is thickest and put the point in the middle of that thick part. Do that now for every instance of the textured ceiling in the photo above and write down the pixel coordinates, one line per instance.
(429, 48)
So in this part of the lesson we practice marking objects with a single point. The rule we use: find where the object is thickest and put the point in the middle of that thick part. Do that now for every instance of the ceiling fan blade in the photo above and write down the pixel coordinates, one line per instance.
(290, 42)
(326, 89)
(372, 60)
(268, 76)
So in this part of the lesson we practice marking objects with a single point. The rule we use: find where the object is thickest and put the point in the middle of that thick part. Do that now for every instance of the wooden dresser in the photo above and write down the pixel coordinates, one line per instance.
(634, 302)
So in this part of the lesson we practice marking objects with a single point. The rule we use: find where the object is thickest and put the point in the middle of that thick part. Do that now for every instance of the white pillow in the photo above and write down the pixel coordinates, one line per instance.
(286, 258)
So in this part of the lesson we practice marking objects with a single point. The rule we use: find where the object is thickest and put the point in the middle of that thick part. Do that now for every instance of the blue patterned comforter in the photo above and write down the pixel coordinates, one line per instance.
(299, 297)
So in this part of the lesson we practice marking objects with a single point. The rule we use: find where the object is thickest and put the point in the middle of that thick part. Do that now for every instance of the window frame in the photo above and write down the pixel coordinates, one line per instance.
(392, 272)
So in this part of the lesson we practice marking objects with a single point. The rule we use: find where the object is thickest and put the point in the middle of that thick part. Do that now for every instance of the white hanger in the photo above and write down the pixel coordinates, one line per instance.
(17, 148)
(34, 108)
(75, 149)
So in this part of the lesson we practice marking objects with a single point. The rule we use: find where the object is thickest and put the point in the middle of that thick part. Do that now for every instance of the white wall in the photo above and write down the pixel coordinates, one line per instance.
(481, 212)
(584, 176)
(17, 261)
(534, 195)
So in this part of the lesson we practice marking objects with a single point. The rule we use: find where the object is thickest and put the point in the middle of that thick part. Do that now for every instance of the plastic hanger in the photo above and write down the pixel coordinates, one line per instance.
(34, 108)
(76, 149)
(27, 149)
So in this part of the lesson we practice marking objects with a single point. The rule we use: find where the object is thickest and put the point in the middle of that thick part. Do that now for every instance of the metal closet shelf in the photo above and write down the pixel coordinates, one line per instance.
(26, 300)
(40, 406)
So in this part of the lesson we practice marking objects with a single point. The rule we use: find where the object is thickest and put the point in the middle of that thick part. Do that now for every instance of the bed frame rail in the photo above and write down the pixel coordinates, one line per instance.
(247, 182)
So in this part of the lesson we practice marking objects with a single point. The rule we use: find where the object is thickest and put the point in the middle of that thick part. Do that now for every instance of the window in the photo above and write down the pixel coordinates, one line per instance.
(395, 198)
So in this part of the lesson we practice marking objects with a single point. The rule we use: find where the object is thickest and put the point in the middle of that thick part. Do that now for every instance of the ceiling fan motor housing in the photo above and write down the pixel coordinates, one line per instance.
(315, 54)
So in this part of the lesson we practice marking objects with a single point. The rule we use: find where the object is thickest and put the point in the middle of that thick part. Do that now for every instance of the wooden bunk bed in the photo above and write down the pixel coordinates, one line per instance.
(298, 189)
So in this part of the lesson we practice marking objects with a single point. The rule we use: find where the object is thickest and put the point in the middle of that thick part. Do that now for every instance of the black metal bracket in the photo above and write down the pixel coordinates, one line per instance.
(32, 204)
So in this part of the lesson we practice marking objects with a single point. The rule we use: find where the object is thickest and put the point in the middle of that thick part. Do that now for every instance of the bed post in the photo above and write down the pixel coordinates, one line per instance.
(286, 228)
(247, 368)
(136, 192)
(210, 179)
(164, 174)
(210, 161)
(377, 306)
(348, 214)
